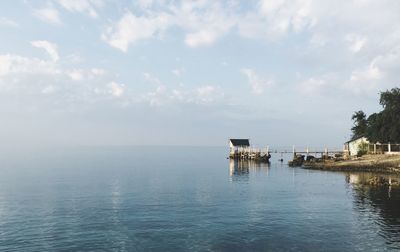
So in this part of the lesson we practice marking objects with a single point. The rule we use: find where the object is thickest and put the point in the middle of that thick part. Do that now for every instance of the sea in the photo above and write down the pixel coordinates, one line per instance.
(187, 199)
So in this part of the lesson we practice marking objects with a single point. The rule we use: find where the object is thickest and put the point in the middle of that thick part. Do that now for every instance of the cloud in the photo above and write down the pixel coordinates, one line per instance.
(50, 48)
(6, 22)
(257, 83)
(144, 3)
(83, 74)
(88, 7)
(116, 89)
(365, 80)
(48, 90)
(208, 94)
(149, 78)
(23, 75)
(356, 42)
(15, 64)
(49, 15)
(204, 22)
(203, 95)
(276, 18)
(130, 29)
(178, 71)
(76, 74)
(312, 86)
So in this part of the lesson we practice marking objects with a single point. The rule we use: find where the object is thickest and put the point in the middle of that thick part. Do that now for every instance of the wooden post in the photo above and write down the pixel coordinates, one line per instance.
(389, 148)
(375, 148)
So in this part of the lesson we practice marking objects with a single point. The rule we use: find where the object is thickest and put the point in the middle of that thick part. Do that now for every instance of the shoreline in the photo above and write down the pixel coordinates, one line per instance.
(378, 163)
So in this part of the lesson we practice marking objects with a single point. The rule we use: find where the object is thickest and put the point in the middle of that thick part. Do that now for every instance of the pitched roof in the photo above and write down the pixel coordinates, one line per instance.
(355, 139)
(240, 142)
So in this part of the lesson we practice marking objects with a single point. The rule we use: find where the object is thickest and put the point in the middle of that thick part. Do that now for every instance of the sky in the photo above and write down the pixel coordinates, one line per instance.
(193, 72)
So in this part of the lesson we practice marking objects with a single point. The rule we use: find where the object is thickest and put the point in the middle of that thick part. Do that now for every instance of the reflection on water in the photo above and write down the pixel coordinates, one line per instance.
(242, 168)
(380, 202)
(174, 199)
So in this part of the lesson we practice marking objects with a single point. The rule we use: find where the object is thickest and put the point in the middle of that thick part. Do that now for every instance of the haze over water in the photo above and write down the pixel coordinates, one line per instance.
(186, 199)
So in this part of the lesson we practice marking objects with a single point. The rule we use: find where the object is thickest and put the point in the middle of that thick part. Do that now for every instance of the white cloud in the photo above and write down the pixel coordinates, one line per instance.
(15, 64)
(131, 29)
(49, 15)
(356, 42)
(116, 89)
(158, 97)
(145, 3)
(201, 38)
(276, 18)
(48, 90)
(6, 22)
(365, 80)
(97, 71)
(312, 86)
(50, 48)
(257, 83)
(24, 75)
(178, 71)
(82, 74)
(76, 74)
(208, 94)
(161, 96)
(204, 21)
(88, 7)
(149, 78)
(318, 40)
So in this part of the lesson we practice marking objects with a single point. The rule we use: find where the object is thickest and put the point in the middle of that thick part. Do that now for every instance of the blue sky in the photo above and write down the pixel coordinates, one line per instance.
(159, 72)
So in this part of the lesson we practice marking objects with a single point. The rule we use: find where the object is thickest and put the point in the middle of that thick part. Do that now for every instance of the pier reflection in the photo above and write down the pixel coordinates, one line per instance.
(242, 168)
(381, 201)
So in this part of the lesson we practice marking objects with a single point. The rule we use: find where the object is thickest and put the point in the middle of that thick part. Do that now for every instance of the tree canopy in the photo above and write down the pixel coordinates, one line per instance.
(360, 124)
(383, 126)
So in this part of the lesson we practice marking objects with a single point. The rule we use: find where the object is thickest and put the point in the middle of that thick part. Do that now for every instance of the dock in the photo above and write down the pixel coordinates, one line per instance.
(240, 149)
(242, 153)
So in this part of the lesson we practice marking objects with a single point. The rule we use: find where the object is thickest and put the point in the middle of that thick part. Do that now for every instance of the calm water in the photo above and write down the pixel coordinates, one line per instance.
(186, 199)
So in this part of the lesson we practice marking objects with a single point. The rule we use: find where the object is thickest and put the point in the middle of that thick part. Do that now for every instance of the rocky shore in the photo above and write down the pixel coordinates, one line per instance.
(382, 163)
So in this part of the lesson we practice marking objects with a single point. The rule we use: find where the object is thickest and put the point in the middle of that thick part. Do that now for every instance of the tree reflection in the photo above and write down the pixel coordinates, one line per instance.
(383, 200)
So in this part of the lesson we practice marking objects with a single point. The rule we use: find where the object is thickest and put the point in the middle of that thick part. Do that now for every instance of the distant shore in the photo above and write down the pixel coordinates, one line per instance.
(381, 163)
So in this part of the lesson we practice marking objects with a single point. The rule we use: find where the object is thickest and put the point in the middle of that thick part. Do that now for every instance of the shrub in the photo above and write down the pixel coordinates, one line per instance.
(362, 149)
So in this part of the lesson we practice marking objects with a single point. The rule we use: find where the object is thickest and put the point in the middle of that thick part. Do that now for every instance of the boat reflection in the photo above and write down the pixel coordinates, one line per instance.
(240, 168)
(380, 200)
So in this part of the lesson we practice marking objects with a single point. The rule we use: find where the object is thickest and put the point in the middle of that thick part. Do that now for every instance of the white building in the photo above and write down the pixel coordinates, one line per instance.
(353, 146)
(238, 143)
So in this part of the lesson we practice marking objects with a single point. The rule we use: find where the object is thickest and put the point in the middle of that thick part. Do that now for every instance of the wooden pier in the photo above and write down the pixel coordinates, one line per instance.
(315, 156)
(240, 149)
(311, 152)
(248, 153)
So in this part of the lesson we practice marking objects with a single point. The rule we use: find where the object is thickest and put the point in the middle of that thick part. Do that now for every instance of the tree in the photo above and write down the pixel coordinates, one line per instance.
(360, 124)
(384, 126)
(390, 116)
(390, 100)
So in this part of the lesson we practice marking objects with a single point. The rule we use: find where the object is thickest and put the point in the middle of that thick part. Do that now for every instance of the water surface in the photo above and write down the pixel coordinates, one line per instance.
(186, 199)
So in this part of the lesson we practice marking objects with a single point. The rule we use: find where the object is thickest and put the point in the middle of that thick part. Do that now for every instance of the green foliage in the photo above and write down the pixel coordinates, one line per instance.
(362, 149)
(381, 127)
(360, 124)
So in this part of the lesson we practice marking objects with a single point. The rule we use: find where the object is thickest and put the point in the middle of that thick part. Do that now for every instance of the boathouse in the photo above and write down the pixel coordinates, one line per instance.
(353, 146)
(235, 144)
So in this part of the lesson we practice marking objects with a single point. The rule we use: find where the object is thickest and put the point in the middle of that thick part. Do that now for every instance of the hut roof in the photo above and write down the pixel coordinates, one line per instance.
(240, 142)
(358, 138)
